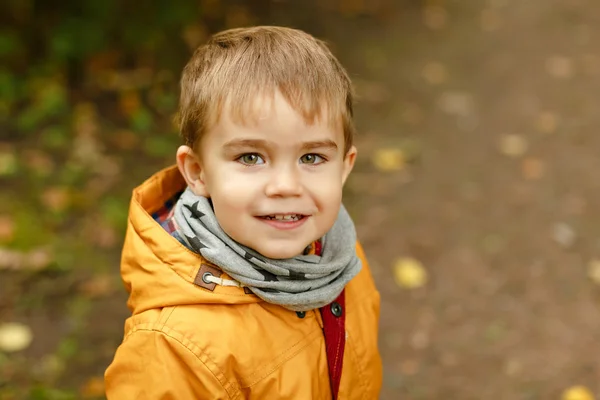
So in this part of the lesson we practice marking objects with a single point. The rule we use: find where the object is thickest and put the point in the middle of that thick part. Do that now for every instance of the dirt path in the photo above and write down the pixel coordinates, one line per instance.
(509, 312)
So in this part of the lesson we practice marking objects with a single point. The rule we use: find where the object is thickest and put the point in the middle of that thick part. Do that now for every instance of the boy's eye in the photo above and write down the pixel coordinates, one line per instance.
(311, 159)
(251, 159)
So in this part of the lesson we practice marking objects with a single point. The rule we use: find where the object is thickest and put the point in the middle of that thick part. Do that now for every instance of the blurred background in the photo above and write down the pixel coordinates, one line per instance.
(473, 193)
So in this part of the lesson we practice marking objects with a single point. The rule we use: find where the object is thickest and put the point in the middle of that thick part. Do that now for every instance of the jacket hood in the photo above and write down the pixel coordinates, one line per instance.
(156, 269)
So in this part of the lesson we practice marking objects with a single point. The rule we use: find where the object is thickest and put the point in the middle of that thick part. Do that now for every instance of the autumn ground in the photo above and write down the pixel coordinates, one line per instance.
(473, 194)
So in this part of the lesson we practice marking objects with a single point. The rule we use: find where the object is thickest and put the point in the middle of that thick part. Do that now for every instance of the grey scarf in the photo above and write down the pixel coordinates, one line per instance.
(302, 283)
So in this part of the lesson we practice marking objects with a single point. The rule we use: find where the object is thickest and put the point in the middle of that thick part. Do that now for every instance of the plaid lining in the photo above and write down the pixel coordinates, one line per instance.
(164, 216)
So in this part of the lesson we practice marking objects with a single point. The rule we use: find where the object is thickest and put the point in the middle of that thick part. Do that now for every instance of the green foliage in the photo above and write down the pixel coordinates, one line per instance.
(45, 393)
(114, 211)
(51, 47)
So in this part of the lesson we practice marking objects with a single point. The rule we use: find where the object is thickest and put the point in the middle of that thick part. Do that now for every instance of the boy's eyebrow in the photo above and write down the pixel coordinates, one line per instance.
(320, 144)
(235, 143)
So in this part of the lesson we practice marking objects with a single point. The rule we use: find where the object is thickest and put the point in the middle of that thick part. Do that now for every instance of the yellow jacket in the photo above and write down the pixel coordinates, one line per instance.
(187, 342)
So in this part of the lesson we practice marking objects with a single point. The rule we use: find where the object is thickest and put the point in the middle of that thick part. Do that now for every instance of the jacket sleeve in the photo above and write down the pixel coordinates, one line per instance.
(150, 364)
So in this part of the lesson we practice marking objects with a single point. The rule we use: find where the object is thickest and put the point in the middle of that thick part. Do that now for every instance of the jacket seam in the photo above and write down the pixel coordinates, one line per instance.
(228, 386)
(363, 382)
(166, 314)
(292, 352)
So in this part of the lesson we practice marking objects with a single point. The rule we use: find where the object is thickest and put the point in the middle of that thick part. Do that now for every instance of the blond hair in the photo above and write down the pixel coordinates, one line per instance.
(238, 64)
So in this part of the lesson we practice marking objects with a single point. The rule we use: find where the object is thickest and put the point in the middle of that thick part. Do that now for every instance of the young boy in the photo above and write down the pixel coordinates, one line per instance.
(244, 274)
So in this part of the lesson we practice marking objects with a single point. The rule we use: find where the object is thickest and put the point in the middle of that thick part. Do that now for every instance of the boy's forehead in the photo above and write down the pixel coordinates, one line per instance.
(271, 119)
(265, 107)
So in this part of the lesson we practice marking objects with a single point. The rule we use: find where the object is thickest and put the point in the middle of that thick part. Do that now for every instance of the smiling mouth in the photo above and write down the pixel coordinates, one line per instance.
(284, 217)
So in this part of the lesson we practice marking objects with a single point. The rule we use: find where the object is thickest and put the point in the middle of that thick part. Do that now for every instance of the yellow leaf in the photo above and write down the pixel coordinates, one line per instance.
(389, 159)
(577, 393)
(560, 67)
(14, 337)
(513, 145)
(8, 163)
(409, 273)
(594, 270)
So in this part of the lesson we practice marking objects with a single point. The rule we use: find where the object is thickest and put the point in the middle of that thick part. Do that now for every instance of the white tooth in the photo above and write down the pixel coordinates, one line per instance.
(288, 217)
(279, 217)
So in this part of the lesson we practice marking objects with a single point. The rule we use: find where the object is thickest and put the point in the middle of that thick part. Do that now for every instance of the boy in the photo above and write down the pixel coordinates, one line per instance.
(251, 285)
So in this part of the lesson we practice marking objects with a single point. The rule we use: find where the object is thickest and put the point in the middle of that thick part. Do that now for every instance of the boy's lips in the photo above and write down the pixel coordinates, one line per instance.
(284, 221)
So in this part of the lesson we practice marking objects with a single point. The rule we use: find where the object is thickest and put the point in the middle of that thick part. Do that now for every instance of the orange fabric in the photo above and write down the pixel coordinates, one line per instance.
(186, 342)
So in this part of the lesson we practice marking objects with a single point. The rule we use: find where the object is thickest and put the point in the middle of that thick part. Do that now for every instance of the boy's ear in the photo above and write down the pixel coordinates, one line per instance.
(349, 160)
(191, 169)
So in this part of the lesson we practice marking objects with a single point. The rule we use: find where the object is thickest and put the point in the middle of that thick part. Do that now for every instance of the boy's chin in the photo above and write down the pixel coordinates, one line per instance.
(280, 252)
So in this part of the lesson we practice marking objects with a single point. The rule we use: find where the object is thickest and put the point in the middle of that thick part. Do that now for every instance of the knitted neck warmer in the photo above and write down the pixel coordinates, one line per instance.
(301, 283)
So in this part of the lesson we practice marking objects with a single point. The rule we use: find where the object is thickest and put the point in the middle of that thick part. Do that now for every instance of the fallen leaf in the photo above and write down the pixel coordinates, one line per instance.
(7, 228)
(38, 259)
(513, 367)
(409, 273)
(435, 73)
(93, 388)
(546, 122)
(8, 163)
(560, 67)
(435, 17)
(564, 234)
(56, 198)
(98, 286)
(513, 145)
(419, 340)
(39, 161)
(594, 270)
(34, 260)
(577, 393)
(14, 337)
(126, 139)
(456, 103)
(533, 168)
(129, 102)
(389, 159)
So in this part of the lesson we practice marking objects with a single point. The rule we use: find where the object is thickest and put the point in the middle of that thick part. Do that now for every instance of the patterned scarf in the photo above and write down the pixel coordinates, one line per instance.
(302, 283)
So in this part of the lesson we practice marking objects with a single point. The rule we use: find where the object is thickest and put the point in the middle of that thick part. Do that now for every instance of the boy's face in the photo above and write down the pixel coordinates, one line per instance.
(276, 185)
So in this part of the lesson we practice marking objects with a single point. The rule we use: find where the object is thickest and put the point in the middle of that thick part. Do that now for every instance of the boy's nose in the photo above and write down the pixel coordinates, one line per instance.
(284, 183)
